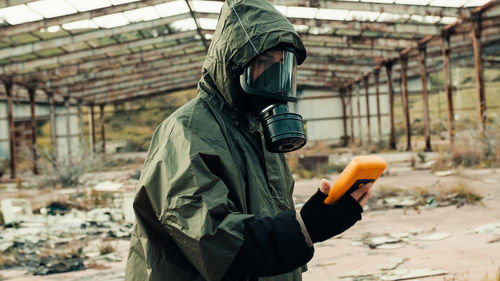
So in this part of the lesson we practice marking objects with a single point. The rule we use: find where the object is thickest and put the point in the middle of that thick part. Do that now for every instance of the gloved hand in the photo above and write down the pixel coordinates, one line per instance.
(325, 221)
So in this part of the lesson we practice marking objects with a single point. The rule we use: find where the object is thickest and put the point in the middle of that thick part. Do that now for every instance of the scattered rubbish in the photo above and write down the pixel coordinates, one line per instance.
(383, 242)
(446, 173)
(16, 210)
(494, 240)
(400, 202)
(57, 208)
(128, 208)
(435, 236)
(108, 186)
(392, 264)
(487, 228)
(404, 274)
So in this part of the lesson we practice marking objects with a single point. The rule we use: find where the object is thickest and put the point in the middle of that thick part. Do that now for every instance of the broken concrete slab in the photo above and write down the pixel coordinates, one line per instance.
(392, 264)
(487, 228)
(435, 236)
(405, 274)
(16, 210)
(446, 173)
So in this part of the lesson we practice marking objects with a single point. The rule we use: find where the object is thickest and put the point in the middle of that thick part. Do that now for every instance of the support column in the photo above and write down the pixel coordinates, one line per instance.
(34, 147)
(53, 131)
(392, 139)
(12, 133)
(376, 75)
(404, 98)
(445, 48)
(80, 124)
(360, 132)
(422, 55)
(351, 115)
(478, 64)
(103, 135)
(344, 116)
(68, 125)
(92, 127)
(367, 96)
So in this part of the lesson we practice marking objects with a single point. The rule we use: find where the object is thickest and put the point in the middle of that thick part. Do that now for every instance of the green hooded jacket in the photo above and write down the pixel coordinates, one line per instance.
(207, 171)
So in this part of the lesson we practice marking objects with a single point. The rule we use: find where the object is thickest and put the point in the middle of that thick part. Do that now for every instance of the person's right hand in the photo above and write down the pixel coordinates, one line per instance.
(325, 221)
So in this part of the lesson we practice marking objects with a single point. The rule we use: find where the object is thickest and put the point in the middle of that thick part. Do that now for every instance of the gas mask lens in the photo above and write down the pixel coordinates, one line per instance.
(271, 74)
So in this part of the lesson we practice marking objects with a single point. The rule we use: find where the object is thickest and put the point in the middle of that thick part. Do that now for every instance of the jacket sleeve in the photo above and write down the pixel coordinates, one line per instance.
(271, 246)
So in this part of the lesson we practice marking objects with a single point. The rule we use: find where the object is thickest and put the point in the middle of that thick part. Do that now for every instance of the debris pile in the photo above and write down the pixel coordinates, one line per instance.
(397, 240)
(57, 240)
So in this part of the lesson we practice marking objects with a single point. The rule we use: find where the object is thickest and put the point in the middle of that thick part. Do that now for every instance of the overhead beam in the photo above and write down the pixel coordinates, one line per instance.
(82, 55)
(61, 42)
(379, 7)
(356, 26)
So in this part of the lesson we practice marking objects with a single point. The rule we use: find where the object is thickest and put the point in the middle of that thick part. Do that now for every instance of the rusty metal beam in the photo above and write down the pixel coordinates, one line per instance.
(446, 50)
(92, 127)
(358, 94)
(198, 28)
(74, 57)
(12, 132)
(344, 116)
(367, 96)
(68, 125)
(53, 130)
(61, 42)
(80, 124)
(178, 86)
(392, 139)
(332, 51)
(358, 42)
(34, 147)
(379, 7)
(386, 28)
(351, 116)
(404, 97)
(425, 99)
(103, 129)
(376, 76)
(478, 67)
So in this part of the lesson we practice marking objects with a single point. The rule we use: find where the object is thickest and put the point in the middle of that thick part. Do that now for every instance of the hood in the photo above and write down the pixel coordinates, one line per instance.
(245, 29)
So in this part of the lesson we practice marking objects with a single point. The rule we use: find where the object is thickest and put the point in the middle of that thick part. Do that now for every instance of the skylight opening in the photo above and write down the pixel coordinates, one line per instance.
(184, 25)
(88, 5)
(448, 20)
(301, 28)
(302, 12)
(425, 19)
(475, 3)
(362, 16)
(281, 9)
(172, 8)
(332, 14)
(110, 21)
(142, 14)
(52, 8)
(53, 29)
(209, 24)
(206, 6)
(81, 24)
(389, 17)
(448, 3)
(19, 14)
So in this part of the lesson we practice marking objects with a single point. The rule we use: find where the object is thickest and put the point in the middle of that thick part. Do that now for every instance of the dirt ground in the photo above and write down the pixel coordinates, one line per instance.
(461, 254)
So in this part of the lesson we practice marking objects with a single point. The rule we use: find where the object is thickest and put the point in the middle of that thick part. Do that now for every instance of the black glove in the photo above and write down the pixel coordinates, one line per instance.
(325, 221)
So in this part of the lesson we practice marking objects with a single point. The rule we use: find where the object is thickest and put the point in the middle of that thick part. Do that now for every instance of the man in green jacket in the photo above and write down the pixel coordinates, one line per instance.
(215, 197)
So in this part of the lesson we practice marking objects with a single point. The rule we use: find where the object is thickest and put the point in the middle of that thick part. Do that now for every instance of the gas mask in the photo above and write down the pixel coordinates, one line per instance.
(269, 83)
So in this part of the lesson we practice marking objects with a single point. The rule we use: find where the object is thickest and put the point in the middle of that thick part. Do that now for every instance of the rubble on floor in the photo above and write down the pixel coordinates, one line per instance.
(396, 240)
(56, 239)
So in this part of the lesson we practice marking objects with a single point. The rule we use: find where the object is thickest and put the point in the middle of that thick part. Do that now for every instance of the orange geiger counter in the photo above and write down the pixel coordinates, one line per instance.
(360, 171)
